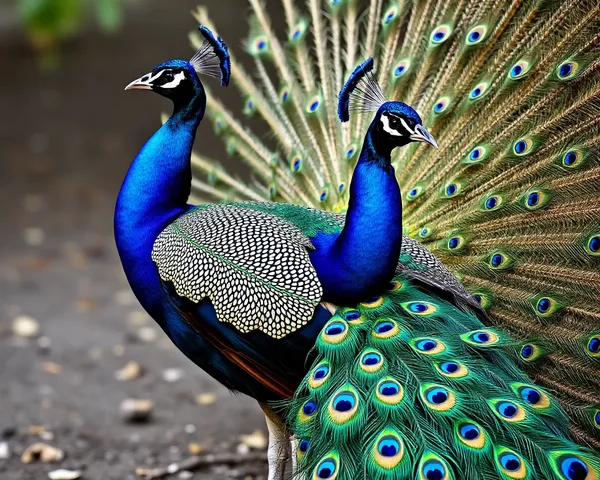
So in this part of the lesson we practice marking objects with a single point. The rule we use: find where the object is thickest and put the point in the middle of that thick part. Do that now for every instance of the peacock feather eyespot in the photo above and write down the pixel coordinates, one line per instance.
(440, 34)
(420, 308)
(476, 35)
(432, 467)
(249, 107)
(523, 146)
(479, 91)
(389, 391)
(471, 434)
(572, 158)
(335, 331)
(328, 467)
(451, 189)
(272, 191)
(511, 464)
(373, 302)
(593, 346)
(371, 361)
(428, 346)
(324, 194)
(477, 155)
(567, 70)
(596, 415)
(401, 68)
(481, 338)
(313, 104)
(483, 298)
(385, 328)
(455, 243)
(508, 410)
(441, 105)
(395, 285)
(351, 151)
(307, 411)
(531, 395)
(231, 146)
(353, 317)
(519, 70)
(297, 32)
(219, 124)
(530, 352)
(341, 187)
(319, 375)
(388, 449)
(500, 260)
(415, 192)
(424, 232)
(303, 446)
(296, 163)
(343, 406)
(452, 369)
(492, 202)
(545, 306)
(389, 16)
(259, 45)
(284, 94)
(572, 465)
(593, 244)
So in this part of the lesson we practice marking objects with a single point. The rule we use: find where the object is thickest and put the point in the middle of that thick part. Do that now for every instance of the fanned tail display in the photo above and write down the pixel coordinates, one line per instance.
(509, 203)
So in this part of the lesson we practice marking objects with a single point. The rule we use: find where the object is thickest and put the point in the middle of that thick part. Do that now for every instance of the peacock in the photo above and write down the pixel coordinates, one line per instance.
(409, 281)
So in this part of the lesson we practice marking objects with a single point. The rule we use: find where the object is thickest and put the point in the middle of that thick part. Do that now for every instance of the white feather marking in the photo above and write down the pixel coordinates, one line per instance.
(385, 121)
(175, 82)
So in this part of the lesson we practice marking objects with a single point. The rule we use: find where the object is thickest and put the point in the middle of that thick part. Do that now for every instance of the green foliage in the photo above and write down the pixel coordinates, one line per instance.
(49, 22)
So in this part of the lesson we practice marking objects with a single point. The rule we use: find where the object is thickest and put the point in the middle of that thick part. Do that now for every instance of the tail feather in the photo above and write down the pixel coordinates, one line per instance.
(408, 386)
(510, 200)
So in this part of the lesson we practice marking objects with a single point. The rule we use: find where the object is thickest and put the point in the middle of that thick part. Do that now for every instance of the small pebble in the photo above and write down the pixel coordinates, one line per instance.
(25, 326)
(42, 452)
(4, 451)
(130, 371)
(206, 398)
(256, 440)
(195, 448)
(172, 375)
(243, 449)
(52, 368)
(134, 410)
(44, 344)
(124, 298)
(147, 334)
(62, 474)
(34, 236)
(137, 318)
(185, 475)
(190, 428)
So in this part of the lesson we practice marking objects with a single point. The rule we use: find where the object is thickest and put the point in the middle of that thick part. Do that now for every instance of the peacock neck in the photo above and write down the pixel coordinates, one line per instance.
(368, 248)
(154, 194)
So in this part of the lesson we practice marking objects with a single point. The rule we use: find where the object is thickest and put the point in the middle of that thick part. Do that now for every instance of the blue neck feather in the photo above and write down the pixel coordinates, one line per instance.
(360, 262)
(153, 195)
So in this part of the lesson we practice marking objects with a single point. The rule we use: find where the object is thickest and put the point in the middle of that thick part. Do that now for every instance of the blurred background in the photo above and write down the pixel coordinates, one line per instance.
(89, 386)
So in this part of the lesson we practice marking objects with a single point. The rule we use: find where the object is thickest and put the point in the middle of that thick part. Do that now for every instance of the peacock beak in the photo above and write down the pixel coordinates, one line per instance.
(142, 83)
(422, 135)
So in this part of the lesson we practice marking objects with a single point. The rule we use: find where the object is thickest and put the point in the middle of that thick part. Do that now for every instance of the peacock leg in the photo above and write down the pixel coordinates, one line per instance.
(279, 445)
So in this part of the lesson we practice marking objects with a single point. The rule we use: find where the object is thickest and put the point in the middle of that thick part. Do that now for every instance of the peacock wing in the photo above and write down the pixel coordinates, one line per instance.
(254, 267)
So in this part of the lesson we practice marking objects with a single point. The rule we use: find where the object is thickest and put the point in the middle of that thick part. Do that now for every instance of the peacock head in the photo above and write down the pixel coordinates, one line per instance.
(395, 123)
(179, 80)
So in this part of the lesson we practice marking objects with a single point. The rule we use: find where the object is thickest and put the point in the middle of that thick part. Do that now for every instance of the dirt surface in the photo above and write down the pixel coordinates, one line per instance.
(66, 140)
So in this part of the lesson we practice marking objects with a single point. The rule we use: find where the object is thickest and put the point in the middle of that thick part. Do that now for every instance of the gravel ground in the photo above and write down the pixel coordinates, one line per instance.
(66, 140)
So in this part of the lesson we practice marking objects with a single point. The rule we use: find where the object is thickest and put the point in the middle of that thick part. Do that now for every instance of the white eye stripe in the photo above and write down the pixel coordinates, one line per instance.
(154, 77)
(405, 125)
(385, 121)
(175, 82)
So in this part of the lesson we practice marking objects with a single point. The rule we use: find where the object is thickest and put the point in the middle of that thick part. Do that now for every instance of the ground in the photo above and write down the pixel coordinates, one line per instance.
(66, 140)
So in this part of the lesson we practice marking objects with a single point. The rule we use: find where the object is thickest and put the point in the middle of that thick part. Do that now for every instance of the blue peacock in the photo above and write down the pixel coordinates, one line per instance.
(400, 311)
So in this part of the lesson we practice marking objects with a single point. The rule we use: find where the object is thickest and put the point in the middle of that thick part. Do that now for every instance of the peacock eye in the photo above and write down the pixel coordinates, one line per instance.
(168, 76)
(394, 122)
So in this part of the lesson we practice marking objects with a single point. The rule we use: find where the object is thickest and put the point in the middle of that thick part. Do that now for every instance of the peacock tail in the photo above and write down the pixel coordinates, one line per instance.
(509, 203)
(408, 386)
